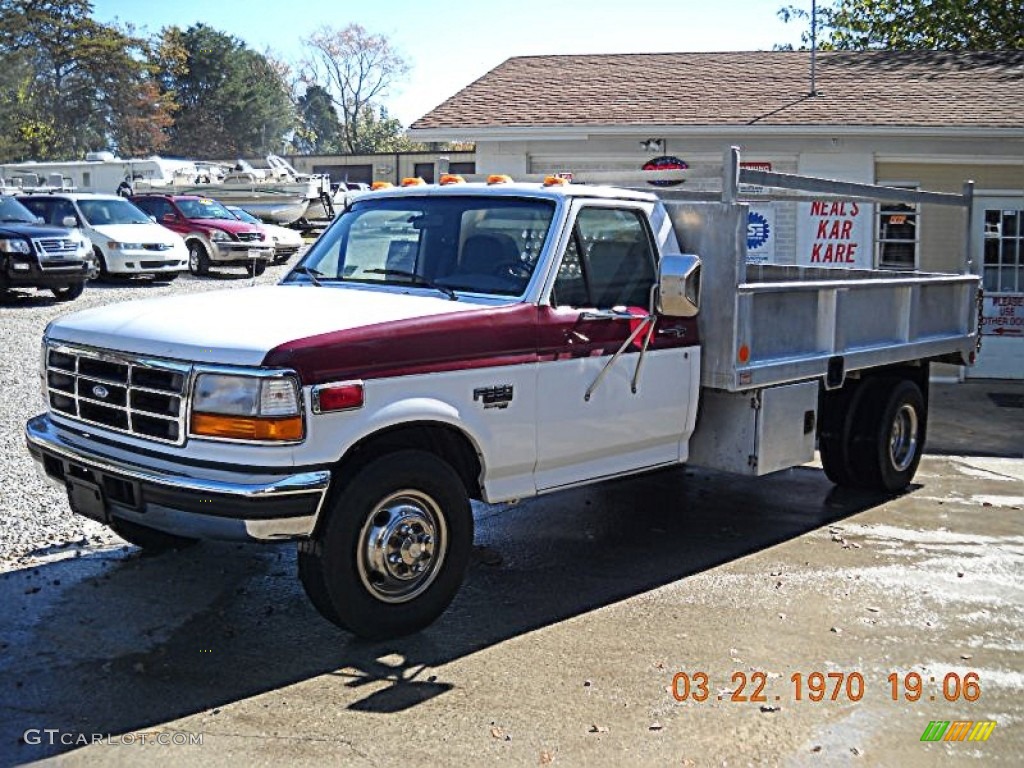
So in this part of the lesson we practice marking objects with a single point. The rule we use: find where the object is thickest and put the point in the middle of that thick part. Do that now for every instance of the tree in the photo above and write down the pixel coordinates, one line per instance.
(356, 68)
(233, 101)
(84, 77)
(377, 132)
(950, 25)
(319, 130)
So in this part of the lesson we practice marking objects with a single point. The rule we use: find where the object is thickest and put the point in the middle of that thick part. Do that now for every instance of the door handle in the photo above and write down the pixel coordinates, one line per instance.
(676, 333)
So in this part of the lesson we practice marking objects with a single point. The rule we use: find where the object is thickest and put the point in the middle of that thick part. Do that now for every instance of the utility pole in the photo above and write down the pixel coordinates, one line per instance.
(814, 43)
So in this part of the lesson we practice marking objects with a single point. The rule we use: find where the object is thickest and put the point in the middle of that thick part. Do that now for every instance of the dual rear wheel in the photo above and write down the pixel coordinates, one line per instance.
(872, 433)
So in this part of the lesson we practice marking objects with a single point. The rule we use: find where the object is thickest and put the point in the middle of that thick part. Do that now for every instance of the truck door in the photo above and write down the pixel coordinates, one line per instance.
(608, 260)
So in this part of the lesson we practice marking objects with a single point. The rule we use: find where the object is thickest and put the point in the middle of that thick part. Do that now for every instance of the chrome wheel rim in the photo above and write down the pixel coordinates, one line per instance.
(193, 258)
(402, 546)
(903, 438)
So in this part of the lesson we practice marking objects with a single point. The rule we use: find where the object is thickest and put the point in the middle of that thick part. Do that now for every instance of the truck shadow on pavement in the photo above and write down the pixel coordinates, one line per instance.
(115, 643)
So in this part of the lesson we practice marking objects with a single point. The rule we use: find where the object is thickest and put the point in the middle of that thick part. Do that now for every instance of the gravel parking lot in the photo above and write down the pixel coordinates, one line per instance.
(35, 514)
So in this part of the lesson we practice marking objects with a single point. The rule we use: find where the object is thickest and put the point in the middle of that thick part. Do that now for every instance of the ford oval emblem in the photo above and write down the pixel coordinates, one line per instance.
(100, 391)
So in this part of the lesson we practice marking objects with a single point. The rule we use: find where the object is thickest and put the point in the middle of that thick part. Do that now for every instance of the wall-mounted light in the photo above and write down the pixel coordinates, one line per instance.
(653, 145)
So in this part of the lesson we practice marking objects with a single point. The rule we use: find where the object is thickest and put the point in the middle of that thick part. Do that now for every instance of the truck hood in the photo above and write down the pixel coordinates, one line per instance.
(138, 233)
(234, 226)
(239, 327)
(27, 229)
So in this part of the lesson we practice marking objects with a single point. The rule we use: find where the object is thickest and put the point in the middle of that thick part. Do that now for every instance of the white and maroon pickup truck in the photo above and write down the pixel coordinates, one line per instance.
(480, 341)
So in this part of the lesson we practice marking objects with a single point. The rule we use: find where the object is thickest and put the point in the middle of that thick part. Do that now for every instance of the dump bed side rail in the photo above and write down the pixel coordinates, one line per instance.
(768, 325)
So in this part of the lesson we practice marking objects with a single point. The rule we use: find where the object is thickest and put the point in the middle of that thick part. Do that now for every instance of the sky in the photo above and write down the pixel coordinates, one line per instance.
(449, 44)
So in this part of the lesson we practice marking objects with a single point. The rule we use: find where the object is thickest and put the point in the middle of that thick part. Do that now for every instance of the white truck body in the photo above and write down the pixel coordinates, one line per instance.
(583, 358)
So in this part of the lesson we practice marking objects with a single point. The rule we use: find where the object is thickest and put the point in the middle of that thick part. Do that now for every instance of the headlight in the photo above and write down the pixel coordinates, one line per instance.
(14, 246)
(247, 407)
(219, 236)
(112, 245)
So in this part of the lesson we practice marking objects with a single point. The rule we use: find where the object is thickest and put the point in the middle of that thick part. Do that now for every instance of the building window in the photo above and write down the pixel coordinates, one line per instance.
(896, 240)
(464, 168)
(1004, 251)
(424, 171)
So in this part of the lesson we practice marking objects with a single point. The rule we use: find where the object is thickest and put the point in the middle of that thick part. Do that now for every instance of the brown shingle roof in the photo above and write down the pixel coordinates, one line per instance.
(863, 88)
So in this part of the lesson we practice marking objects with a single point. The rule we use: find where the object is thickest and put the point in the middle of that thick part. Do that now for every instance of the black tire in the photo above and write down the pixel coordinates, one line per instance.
(256, 268)
(68, 292)
(396, 500)
(835, 409)
(149, 540)
(198, 258)
(888, 443)
(102, 262)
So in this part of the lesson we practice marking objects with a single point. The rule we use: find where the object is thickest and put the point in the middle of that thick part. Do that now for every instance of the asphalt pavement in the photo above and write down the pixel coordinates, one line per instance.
(678, 618)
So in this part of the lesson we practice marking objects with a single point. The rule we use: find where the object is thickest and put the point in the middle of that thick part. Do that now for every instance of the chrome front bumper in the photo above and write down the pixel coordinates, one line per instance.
(232, 507)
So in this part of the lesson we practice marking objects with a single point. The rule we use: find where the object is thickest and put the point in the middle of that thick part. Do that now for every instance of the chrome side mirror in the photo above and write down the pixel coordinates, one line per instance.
(679, 285)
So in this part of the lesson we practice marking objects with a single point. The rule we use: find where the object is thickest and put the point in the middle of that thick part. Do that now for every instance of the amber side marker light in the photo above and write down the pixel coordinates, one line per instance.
(412, 181)
(555, 181)
(451, 178)
(744, 353)
(247, 427)
(499, 178)
(381, 185)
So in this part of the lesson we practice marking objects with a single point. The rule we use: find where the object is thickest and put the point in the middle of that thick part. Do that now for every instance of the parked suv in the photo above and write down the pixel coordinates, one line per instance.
(125, 240)
(287, 242)
(213, 235)
(33, 255)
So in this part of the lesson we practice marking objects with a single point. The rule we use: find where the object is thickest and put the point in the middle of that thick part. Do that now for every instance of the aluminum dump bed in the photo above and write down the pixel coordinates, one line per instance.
(764, 325)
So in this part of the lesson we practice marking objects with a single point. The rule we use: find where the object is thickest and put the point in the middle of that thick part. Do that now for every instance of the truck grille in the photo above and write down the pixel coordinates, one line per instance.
(249, 237)
(55, 252)
(137, 396)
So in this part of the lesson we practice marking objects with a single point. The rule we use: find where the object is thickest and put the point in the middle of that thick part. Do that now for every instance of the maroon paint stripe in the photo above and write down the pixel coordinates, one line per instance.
(480, 338)
(473, 338)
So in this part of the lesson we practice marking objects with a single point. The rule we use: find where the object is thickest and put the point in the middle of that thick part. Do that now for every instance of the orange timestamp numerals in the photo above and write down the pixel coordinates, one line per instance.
(823, 686)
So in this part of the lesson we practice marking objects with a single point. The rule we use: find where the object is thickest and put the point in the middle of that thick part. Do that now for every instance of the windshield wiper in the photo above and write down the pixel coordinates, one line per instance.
(417, 279)
(312, 273)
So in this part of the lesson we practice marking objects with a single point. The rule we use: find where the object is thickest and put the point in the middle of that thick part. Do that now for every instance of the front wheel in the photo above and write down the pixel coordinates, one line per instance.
(198, 259)
(393, 549)
(256, 268)
(68, 292)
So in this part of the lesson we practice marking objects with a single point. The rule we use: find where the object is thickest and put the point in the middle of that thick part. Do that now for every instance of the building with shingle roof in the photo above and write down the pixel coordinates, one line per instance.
(928, 119)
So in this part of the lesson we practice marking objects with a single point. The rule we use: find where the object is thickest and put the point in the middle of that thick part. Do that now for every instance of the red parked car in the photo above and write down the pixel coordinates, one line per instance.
(214, 236)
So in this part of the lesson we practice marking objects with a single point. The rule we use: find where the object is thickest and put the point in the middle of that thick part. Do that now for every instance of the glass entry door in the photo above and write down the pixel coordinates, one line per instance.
(998, 247)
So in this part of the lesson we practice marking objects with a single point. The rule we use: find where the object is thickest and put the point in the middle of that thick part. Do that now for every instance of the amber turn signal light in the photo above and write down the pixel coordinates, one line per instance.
(247, 427)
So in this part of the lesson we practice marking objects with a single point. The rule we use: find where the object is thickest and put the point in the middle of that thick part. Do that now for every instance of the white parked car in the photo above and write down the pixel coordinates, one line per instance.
(287, 242)
(125, 240)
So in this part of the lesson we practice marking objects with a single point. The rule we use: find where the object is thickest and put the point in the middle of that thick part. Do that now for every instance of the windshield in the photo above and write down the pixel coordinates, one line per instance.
(120, 211)
(476, 244)
(245, 215)
(12, 210)
(204, 208)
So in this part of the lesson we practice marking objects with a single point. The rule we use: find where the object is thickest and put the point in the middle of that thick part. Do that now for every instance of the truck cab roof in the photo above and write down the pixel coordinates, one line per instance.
(513, 189)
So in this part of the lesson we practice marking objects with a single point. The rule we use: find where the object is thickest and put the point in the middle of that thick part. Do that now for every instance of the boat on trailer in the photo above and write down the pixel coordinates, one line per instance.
(278, 194)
